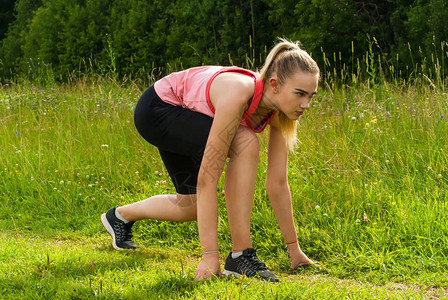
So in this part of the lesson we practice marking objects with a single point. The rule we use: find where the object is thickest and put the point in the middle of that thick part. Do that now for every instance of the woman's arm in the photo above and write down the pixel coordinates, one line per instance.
(229, 99)
(279, 193)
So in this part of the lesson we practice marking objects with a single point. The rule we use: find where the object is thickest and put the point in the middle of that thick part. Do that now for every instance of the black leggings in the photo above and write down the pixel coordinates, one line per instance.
(179, 134)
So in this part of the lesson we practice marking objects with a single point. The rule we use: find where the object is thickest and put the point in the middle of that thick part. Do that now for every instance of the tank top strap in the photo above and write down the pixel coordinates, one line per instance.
(255, 99)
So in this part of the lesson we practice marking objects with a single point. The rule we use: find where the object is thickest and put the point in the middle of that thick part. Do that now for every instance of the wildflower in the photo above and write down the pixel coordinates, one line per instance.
(105, 145)
(122, 197)
(364, 217)
(61, 182)
(442, 116)
(317, 207)
(439, 176)
(223, 192)
(353, 118)
(136, 172)
(358, 221)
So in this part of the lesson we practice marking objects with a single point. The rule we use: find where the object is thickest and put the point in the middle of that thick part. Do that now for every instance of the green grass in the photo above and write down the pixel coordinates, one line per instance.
(82, 267)
(368, 181)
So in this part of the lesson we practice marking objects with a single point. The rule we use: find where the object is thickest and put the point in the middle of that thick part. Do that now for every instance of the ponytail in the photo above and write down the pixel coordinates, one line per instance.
(284, 60)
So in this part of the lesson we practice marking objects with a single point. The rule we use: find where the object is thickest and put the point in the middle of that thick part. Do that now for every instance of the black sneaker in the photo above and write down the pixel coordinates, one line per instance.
(248, 264)
(119, 230)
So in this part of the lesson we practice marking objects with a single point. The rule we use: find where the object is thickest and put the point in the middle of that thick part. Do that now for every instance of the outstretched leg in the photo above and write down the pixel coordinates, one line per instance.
(118, 221)
(180, 208)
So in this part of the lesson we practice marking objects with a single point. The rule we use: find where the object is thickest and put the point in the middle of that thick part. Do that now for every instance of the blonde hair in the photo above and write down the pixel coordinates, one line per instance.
(285, 59)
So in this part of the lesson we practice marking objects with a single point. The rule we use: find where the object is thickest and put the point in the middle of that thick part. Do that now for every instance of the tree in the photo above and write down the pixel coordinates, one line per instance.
(11, 46)
(6, 16)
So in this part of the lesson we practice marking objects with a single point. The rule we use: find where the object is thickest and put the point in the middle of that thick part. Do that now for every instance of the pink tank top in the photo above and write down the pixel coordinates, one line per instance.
(190, 89)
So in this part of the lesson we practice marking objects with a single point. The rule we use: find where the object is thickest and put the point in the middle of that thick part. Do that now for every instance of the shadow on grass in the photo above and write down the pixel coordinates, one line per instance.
(127, 275)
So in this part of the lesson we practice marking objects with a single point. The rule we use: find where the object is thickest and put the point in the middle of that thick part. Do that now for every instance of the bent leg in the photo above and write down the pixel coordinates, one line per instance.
(241, 176)
(179, 208)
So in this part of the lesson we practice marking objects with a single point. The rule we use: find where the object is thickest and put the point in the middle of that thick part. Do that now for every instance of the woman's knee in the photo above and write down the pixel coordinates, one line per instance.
(245, 144)
(187, 206)
(186, 200)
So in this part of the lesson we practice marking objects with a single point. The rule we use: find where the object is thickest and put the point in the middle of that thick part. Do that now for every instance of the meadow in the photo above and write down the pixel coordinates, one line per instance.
(368, 181)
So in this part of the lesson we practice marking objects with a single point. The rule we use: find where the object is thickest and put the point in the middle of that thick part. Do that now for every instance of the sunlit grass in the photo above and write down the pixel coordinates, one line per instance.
(368, 181)
(81, 267)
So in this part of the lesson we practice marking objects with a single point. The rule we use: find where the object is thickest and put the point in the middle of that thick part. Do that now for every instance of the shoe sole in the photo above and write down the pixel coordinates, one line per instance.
(110, 230)
(231, 273)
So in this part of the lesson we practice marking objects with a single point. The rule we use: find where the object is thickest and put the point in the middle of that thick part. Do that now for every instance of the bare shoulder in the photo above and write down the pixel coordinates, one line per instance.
(231, 88)
(274, 122)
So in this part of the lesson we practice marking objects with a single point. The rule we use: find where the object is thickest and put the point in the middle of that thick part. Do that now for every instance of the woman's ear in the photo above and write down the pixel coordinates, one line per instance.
(273, 83)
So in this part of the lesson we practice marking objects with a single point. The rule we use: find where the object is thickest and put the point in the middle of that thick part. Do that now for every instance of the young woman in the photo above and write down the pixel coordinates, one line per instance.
(198, 118)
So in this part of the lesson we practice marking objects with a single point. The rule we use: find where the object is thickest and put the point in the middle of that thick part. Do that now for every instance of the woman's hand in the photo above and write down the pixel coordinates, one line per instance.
(298, 258)
(208, 267)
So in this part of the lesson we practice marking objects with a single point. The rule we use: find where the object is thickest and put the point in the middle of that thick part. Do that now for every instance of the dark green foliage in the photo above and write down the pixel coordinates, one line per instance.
(11, 45)
(132, 38)
(6, 16)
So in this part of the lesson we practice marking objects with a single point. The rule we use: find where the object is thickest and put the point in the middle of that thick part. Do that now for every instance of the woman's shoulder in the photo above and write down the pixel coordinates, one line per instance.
(232, 86)
(234, 81)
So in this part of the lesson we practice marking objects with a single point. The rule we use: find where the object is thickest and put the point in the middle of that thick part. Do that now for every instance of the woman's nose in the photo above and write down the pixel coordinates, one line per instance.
(305, 105)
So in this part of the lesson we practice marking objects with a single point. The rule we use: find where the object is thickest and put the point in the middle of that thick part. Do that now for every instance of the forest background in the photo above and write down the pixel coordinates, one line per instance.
(131, 38)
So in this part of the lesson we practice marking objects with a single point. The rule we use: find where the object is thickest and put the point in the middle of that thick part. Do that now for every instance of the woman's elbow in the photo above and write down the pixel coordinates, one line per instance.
(206, 181)
(277, 186)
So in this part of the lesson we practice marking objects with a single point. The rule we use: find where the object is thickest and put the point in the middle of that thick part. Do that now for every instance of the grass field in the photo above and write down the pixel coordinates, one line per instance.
(368, 181)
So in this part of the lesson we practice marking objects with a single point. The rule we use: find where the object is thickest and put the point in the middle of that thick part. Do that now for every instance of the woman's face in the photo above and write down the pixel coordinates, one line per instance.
(295, 95)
